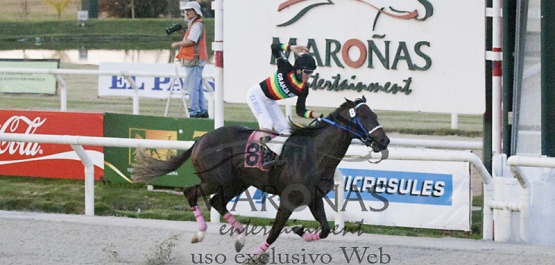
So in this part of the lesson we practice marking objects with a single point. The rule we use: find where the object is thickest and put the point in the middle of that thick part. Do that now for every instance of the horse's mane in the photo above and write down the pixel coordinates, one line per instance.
(313, 130)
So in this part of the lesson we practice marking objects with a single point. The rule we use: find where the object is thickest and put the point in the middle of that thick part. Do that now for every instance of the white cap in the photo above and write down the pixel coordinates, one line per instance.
(183, 5)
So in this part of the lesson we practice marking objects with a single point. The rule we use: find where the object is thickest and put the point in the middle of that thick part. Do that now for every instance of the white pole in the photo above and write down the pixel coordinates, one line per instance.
(454, 121)
(339, 215)
(95, 140)
(487, 218)
(441, 144)
(497, 78)
(135, 94)
(218, 48)
(496, 109)
(63, 92)
(89, 178)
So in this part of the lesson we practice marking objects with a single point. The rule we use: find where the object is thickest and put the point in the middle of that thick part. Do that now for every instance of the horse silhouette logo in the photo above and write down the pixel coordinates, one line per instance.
(418, 10)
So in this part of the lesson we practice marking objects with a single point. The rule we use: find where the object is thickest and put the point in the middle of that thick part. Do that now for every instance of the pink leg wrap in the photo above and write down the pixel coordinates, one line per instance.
(310, 237)
(262, 248)
(200, 220)
(233, 222)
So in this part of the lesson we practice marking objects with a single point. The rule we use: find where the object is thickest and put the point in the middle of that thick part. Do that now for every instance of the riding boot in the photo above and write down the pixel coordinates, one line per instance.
(269, 158)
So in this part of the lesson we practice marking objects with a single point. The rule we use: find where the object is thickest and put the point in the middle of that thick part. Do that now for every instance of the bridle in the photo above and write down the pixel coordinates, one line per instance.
(359, 131)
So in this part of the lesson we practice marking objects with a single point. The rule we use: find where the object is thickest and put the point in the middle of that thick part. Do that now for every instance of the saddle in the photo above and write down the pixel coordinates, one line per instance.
(254, 151)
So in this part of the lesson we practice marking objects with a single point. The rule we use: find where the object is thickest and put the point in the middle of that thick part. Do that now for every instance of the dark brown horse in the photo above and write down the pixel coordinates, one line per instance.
(311, 156)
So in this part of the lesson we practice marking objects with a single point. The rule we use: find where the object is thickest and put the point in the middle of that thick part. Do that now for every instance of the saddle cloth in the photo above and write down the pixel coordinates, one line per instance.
(253, 151)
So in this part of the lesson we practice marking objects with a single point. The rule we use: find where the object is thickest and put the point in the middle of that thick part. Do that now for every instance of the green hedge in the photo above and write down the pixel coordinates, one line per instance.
(65, 34)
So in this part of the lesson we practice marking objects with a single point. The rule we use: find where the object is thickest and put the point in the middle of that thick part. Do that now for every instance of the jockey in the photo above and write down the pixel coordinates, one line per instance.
(287, 82)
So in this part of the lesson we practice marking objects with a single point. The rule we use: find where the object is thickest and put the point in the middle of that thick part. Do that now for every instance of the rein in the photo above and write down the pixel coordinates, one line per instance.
(354, 119)
(361, 135)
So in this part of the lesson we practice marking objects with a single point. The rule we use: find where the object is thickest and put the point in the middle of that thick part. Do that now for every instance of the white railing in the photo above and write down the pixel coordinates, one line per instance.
(441, 155)
(102, 141)
(77, 143)
(515, 163)
(355, 151)
(438, 144)
(125, 74)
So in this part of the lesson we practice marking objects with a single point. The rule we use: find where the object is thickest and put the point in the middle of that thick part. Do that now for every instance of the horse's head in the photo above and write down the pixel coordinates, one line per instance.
(363, 123)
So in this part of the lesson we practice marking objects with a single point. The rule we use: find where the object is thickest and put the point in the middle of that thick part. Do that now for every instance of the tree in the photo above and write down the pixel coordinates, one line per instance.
(24, 9)
(59, 5)
(134, 8)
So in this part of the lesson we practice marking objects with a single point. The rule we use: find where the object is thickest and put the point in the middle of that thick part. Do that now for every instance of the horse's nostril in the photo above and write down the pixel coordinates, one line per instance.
(385, 141)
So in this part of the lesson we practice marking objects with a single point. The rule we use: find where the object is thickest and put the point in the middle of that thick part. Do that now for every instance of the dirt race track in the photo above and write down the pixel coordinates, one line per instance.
(38, 238)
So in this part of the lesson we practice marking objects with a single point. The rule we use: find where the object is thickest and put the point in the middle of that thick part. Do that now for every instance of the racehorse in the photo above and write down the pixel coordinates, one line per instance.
(311, 156)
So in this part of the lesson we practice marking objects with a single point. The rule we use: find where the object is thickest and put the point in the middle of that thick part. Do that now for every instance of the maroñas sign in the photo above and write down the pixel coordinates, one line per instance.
(408, 55)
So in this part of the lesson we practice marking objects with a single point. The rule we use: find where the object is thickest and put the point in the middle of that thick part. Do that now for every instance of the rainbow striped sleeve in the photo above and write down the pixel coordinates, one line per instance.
(285, 47)
(273, 87)
(308, 114)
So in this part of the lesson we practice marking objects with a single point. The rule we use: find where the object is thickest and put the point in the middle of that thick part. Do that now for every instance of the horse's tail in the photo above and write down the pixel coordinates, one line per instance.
(147, 168)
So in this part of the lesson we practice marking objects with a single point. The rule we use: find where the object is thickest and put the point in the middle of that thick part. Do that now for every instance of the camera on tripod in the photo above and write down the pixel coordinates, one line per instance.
(173, 28)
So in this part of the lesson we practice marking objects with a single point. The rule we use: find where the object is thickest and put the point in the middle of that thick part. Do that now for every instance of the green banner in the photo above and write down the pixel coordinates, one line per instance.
(27, 82)
(118, 160)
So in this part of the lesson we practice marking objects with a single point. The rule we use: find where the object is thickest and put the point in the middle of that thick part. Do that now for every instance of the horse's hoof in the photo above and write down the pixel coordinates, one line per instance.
(258, 259)
(198, 237)
(239, 243)
(298, 229)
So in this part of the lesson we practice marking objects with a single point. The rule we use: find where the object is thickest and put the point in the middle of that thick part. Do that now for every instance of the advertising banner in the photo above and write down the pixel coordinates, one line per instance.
(26, 82)
(118, 160)
(152, 87)
(49, 160)
(422, 194)
(412, 55)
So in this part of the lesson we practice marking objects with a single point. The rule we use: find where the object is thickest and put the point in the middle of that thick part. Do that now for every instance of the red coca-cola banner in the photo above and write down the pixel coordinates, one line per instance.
(49, 160)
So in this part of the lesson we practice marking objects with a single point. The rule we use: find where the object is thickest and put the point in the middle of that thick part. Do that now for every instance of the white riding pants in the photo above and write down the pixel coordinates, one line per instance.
(267, 112)
(269, 116)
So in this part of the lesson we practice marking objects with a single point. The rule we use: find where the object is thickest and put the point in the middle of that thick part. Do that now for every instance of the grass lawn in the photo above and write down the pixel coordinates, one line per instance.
(134, 201)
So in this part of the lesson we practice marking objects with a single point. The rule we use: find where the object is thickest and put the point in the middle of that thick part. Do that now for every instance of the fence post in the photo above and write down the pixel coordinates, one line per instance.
(89, 178)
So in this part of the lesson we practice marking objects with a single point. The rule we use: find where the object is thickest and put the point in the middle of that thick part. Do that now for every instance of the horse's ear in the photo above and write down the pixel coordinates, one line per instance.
(348, 100)
(363, 99)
